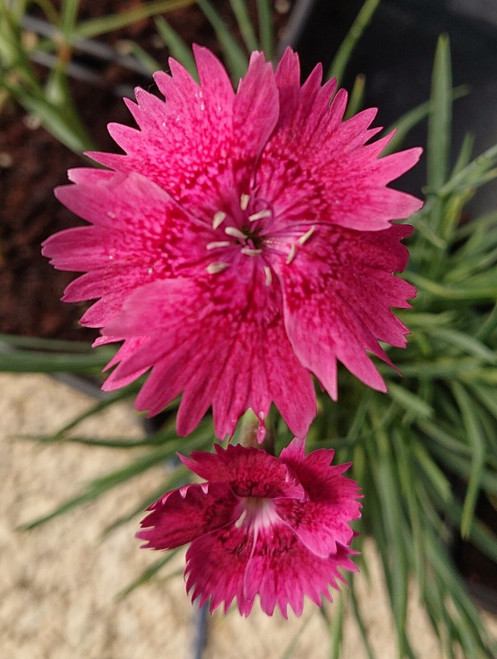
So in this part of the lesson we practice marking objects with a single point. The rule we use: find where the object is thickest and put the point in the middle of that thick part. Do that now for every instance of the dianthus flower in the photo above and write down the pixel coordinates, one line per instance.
(260, 525)
(241, 243)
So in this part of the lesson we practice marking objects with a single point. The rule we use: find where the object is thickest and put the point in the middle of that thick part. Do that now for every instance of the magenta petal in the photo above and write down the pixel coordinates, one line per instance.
(341, 293)
(256, 109)
(249, 472)
(183, 324)
(322, 519)
(283, 571)
(243, 242)
(187, 513)
(215, 568)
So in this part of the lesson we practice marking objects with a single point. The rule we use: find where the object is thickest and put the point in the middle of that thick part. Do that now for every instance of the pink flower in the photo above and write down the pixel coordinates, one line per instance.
(276, 527)
(241, 243)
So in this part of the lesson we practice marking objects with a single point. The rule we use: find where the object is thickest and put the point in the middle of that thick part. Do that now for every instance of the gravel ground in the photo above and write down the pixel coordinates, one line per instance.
(59, 582)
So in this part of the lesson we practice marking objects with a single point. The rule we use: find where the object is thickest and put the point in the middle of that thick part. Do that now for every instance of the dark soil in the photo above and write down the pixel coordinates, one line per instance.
(32, 163)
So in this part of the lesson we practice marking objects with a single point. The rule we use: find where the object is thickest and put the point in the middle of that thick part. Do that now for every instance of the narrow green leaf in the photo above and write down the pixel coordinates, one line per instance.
(489, 326)
(177, 47)
(409, 401)
(464, 156)
(265, 19)
(68, 18)
(335, 623)
(432, 473)
(356, 96)
(292, 646)
(40, 362)
(469, 414)
(353, 36)
(239, 8)
(67, 129)
(473, 175)
(149, 63)
(236, 60)
(440, 117)
(96, 26)
(100, 485)
(487, 397)
(363, 630)
(412, 118)
(466, 343)
(177, 478)
(37, 343)
(474, 292)
(148, 574)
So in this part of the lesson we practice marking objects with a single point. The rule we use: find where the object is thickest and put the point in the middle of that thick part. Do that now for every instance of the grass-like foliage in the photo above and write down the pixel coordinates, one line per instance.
(425, 453)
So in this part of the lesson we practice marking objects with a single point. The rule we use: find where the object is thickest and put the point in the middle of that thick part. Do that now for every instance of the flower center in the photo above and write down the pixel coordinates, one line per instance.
(241, 233)
(258, 512)
(249, 231)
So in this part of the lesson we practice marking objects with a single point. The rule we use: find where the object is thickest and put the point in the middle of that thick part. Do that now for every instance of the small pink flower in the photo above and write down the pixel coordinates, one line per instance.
(260, 525)
(241, 243)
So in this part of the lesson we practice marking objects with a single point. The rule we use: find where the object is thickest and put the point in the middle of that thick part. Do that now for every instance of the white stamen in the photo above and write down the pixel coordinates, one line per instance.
(236, 233)
(305, 237)
(216, 266)
(291, 254)
(150, 270)
(250, 251)
(219, 243)
(218, 219)
(111, 215)
(244, 201)
(260, 215)
(269, 276)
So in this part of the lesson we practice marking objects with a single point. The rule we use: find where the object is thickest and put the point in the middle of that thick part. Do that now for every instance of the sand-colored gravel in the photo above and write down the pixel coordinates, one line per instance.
(58, 583)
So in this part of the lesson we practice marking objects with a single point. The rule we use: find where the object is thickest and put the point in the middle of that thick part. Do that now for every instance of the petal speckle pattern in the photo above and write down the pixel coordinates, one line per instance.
(244, 238)
(277, 528)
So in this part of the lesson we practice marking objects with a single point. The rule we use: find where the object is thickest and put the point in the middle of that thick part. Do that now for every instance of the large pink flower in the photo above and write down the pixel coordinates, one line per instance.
(241, 243)
(260, 525)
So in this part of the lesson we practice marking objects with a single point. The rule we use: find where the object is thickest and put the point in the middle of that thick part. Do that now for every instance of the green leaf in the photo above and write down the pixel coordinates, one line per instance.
(440, 117)
(353, 36)
(239, 8)
(477, 442)
(412, 118)
(409, 401)
(177, 47)
(465, 343)
(41, 362)
(148, 574)
(265, 19)
(236, 60)
(96, 26)
(356, 96)
(97, 487)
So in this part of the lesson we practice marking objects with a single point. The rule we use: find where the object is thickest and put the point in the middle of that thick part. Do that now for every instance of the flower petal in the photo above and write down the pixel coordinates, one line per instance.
(339, 290)
(220, 341)
(184, 514)
(215, 568)
(137, 235)
(249, 472)
(282, 571)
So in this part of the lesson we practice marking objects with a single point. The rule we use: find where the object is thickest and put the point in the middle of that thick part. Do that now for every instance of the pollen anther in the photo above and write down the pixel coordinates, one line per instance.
(244, 201)
(305, 236)
(236, 233)
(269, 276)
(216, 266)
(259, 215)
(250, 251)
(291, 254)
(219, 243)
(218, 219)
